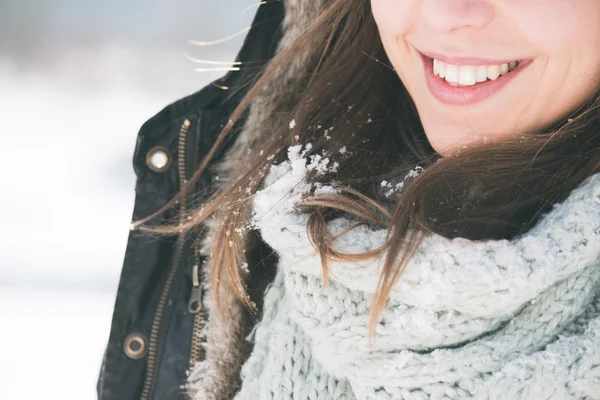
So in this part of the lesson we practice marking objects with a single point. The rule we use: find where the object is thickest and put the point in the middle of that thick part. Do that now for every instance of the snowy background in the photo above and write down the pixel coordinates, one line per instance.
(77, 80)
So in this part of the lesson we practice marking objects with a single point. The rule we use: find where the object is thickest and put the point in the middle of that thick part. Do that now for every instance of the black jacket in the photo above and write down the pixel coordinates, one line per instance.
(150, 343)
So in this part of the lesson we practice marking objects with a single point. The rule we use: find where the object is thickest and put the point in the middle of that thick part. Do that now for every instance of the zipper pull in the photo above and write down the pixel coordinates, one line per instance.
(195, 303)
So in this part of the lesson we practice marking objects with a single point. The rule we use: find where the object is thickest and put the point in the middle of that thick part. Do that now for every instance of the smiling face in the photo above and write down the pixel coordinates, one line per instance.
(481, 69)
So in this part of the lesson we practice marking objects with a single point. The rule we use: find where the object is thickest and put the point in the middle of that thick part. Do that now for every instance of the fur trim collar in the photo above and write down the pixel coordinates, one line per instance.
(217, 376)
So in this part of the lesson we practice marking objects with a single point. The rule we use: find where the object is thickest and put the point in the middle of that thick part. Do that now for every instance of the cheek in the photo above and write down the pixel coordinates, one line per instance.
(567, 36)
(393, 17)
(554, 26)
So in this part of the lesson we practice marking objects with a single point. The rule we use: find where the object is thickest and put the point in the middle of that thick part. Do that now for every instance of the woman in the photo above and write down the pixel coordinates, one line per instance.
(411, 210)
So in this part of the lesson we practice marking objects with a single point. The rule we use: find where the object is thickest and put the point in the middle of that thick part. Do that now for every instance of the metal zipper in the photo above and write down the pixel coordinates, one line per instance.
(195, 301)
(153, 339)
(195, 307)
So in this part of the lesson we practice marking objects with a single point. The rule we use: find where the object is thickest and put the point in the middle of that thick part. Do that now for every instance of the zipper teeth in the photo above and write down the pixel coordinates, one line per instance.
(153, 340)
(181, 157)
(195, 348)
(198, 324)
(196, 342)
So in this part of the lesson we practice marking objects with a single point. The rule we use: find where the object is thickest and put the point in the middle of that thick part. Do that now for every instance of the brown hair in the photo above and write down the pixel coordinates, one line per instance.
(494, 191)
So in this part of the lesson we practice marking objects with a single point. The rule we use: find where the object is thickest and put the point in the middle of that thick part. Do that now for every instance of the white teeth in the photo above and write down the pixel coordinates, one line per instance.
(481, 73)
(451, 73)
(468, 75)
(441, 69)
(493, 72)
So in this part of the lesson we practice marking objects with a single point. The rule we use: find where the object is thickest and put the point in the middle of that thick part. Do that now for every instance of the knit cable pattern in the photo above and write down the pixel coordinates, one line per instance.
(468, 320)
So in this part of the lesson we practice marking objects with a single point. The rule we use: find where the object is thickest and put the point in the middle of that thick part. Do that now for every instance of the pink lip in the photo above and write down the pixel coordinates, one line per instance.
(465, 95)
(465, 60)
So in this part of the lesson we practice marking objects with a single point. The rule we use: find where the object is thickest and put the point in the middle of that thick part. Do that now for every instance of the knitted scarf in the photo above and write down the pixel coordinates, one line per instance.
(494, 319)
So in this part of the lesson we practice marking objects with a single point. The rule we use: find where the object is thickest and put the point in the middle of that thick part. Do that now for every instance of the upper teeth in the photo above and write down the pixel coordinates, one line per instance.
(468, 75)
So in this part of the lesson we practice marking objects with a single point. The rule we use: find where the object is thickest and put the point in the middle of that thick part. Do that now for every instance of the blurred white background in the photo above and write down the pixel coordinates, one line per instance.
(77, 80)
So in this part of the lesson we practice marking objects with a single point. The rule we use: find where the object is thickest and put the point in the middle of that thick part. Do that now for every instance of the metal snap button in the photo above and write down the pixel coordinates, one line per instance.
(158, 159)
(134, 346)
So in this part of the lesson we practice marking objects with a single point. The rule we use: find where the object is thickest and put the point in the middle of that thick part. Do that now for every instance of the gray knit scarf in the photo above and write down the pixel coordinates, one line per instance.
(492, 319)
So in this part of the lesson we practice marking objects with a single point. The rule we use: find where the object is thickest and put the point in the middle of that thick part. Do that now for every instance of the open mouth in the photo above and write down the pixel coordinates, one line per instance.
(469, 75)
(467, 84)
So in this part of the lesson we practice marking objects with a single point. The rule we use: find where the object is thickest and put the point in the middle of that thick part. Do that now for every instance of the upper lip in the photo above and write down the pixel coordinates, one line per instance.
(455, 60)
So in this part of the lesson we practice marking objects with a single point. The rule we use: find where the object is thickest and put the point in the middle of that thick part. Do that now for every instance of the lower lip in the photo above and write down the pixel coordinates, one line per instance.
(465, 95)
